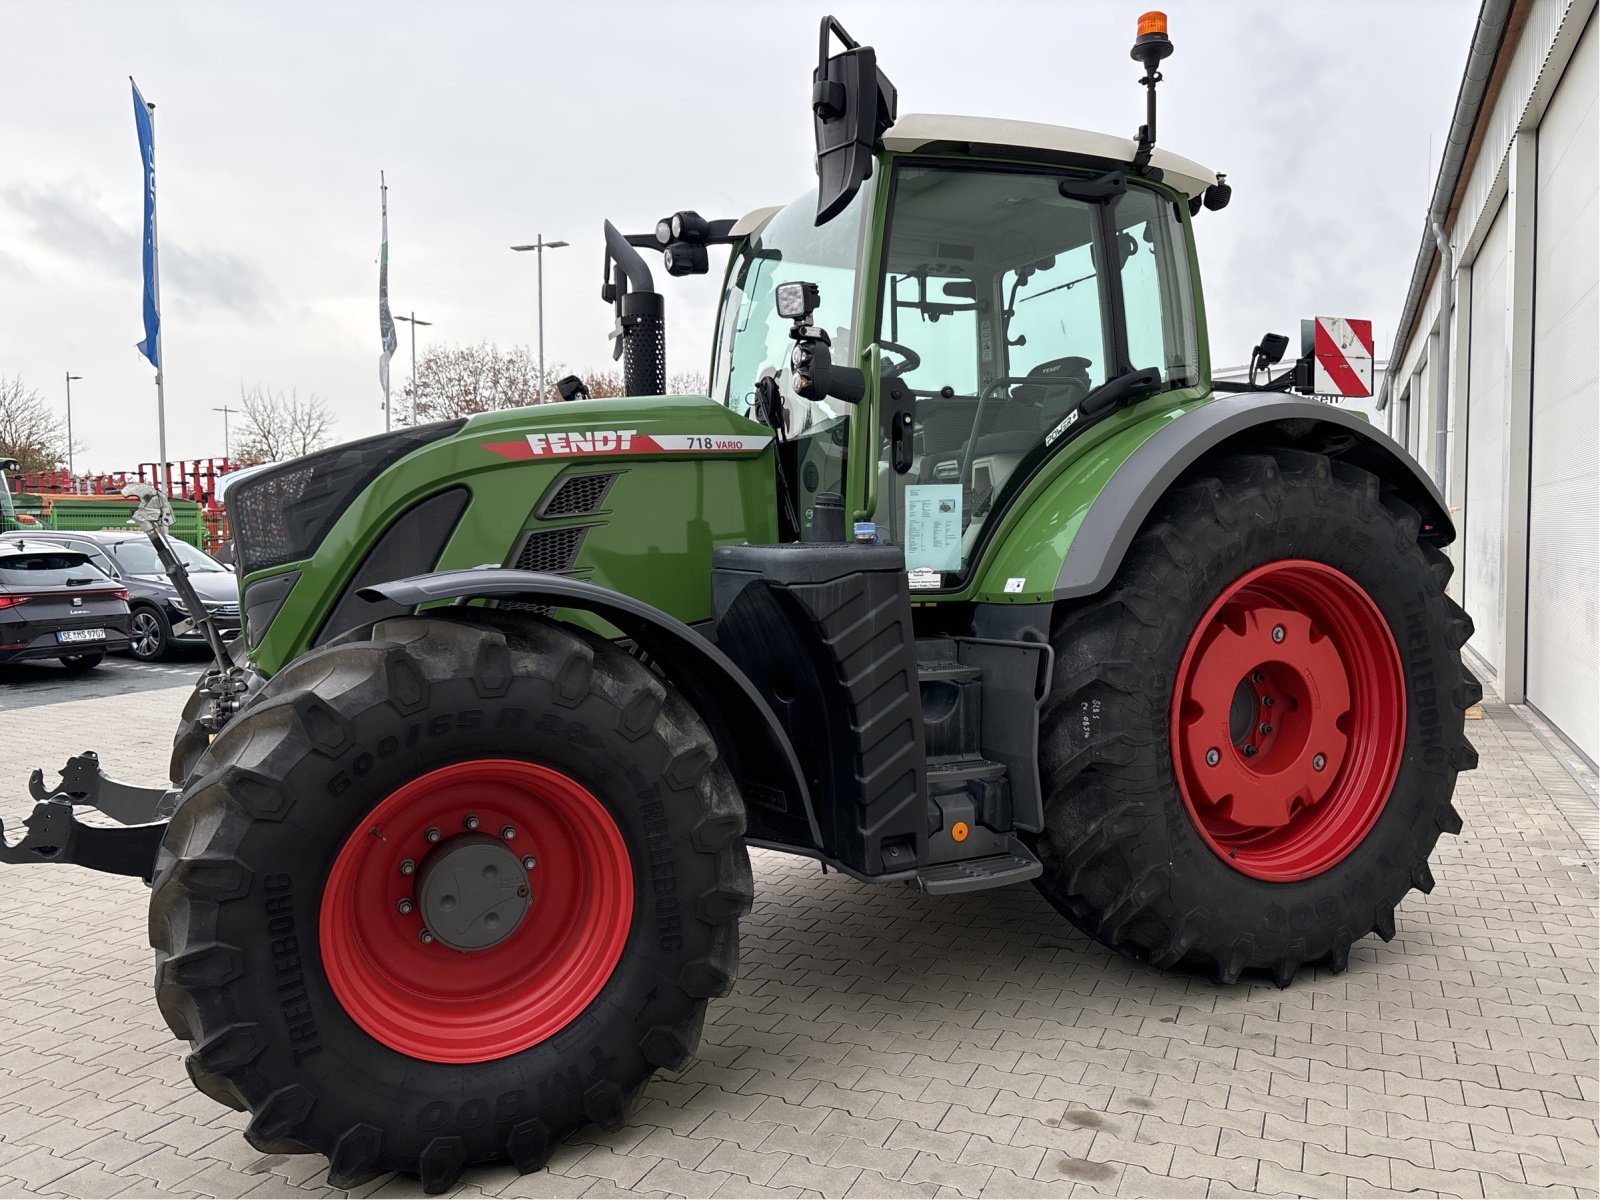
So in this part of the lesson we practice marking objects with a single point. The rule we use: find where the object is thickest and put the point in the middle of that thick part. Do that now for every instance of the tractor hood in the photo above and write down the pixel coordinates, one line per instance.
(633, 494)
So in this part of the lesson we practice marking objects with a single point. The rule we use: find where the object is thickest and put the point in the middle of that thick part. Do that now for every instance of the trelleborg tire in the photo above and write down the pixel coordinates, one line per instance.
(1253, 735)
(334, 821)
(191, 739)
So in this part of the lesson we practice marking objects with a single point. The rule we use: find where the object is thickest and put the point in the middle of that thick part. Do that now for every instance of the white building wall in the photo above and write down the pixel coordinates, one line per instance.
(1564, 488)
(1504, 378)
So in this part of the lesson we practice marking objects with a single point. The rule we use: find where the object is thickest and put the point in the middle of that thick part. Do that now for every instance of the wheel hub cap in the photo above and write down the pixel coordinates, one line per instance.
(476, 910)
(473, 892)
(1288, 720)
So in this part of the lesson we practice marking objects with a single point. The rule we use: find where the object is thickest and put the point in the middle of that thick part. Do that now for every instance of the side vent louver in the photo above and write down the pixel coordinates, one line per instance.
(576, 496)
(550, 549)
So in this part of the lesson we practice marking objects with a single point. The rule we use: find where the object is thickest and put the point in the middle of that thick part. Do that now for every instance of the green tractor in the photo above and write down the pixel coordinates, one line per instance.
(964, 574)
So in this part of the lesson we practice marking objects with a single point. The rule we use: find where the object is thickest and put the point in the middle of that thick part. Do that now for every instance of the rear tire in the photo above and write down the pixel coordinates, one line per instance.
(317, 780)
(1135, 851)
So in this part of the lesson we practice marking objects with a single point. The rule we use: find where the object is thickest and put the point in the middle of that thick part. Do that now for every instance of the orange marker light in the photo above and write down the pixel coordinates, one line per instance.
(1152, 22)
(959, 831)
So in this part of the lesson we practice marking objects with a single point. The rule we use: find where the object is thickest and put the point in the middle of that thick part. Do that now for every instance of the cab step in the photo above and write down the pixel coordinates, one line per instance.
(976, 874)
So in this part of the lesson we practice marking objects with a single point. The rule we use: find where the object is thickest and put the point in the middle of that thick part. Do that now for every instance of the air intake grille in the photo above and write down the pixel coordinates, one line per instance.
(284, 513)
(550, 549)
(576, 496)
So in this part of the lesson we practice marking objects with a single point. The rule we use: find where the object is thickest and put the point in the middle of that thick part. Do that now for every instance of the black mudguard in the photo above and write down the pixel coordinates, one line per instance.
(1242, 422)
(748, 733)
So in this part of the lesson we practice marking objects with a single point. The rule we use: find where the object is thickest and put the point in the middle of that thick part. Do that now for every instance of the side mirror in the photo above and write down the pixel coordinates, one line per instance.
(852, 103)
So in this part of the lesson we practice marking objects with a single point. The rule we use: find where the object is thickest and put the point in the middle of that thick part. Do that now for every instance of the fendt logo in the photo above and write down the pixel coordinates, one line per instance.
(568, 443)
(596, 441)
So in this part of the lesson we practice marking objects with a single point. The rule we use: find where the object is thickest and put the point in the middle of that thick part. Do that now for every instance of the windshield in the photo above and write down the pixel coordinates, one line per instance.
(754, 339)
(1005, 304)
(139, 558)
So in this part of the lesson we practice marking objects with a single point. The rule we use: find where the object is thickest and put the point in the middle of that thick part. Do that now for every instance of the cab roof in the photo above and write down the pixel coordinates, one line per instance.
(994, 136)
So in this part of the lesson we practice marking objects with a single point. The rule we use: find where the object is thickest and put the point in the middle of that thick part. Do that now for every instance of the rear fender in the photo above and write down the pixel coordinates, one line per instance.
(1082, 562)
(748, 733)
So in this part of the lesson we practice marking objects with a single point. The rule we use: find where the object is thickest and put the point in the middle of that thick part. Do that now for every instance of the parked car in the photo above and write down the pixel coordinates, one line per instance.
(54, 603)
(159, 619)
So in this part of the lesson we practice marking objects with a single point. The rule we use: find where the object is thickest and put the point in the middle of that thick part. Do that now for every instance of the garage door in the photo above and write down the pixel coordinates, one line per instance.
(1487, 391)
(1564, 491)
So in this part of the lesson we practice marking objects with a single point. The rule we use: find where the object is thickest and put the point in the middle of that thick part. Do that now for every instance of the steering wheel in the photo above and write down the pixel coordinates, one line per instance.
(910, 359)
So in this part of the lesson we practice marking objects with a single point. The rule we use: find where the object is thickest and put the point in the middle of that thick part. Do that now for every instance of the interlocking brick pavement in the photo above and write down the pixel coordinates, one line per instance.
(884, 1043)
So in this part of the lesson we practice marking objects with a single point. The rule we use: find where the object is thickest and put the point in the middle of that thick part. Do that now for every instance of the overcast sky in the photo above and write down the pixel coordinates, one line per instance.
(499, 121)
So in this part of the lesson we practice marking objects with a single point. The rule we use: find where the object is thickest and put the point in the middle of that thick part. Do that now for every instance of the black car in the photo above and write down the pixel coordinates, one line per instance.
(54, 603)
(160, 620)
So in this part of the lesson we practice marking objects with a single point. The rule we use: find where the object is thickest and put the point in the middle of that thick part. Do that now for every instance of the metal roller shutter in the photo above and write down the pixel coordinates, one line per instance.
(1487, 392)
(1564, 488)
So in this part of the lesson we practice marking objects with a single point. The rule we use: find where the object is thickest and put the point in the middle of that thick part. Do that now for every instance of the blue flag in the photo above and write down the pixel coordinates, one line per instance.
(151, 346)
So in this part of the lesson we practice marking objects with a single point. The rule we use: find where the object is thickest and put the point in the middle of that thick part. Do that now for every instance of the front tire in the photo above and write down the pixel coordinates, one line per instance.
(339, 816)
(1253, 735)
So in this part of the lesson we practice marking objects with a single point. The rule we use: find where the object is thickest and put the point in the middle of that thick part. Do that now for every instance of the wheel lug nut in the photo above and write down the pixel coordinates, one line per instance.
(1265, 728)
(508, 832)
(1269, 701)
(1257, 677)
(1279, 633)
(432, 835)
(408, 867)
(1213, 757)
(471, 822)
(1319, 762)
(529, 862)
(1249, 751)
(405, 905)
(425, 937)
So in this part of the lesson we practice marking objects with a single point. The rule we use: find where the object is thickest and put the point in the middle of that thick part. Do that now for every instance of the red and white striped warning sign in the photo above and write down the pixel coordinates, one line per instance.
(1343, 360)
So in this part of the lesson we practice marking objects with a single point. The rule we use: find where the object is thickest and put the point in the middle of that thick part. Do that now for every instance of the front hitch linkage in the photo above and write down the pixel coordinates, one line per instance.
(55, 835)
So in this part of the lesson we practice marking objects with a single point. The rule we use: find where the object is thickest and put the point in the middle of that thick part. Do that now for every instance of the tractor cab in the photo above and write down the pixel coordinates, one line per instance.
(1002, 298)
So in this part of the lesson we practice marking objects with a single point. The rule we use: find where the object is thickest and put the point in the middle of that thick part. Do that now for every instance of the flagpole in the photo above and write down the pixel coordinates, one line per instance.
(161, 371)
(386, 332)
(383, 190)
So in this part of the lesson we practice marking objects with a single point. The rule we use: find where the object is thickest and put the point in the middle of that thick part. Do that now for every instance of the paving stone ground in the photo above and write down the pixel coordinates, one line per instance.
(884, 1043)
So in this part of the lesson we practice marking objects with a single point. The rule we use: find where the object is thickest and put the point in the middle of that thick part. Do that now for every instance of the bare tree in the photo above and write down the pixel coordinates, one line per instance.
(609, 383)
(457, 381)
(279, 425)
(29, 431)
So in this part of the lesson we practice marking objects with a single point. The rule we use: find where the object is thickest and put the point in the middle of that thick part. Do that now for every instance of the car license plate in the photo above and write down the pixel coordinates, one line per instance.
(81, 635)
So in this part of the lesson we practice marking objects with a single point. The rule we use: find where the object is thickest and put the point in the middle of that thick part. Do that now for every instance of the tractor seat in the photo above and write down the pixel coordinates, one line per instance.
(1037, 405)
(1056, 386)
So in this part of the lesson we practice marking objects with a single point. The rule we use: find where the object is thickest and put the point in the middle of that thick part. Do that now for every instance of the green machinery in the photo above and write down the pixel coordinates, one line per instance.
(963, 575)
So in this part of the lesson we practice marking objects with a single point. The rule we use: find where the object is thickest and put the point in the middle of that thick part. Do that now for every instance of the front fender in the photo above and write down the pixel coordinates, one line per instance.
(748, 733)
(1072, 537)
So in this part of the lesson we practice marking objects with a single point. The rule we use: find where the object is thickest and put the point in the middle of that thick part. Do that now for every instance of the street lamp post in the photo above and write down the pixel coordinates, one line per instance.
(539, 246)
(70, 378)
(227, 445)
(413, 320)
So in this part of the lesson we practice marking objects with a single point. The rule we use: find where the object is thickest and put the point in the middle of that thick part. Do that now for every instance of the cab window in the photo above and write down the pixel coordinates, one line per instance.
(1006, 302)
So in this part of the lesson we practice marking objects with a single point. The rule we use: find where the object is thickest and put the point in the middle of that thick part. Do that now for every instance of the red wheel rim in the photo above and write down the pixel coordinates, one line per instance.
(1288, 718)
(433, 1002)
